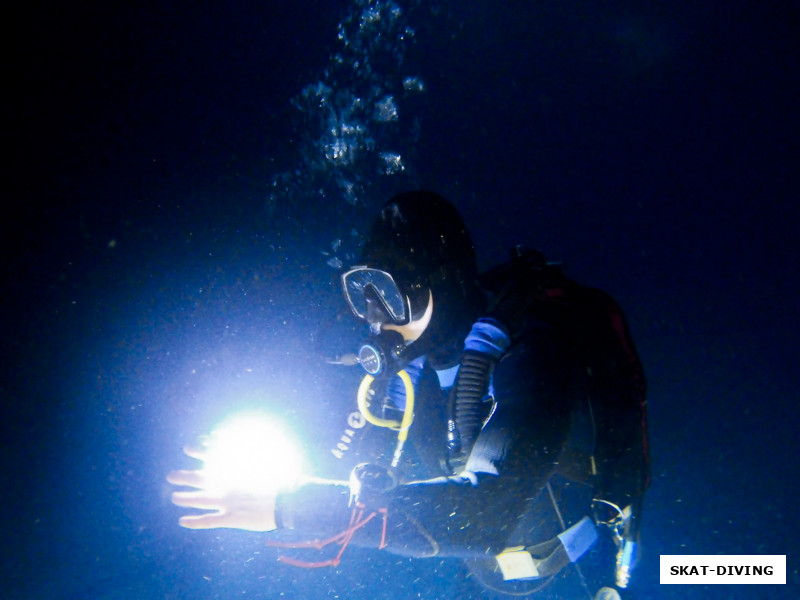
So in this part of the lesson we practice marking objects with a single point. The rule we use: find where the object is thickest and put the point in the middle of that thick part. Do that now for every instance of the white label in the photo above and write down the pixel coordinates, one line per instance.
(723, 568)
(516, 563)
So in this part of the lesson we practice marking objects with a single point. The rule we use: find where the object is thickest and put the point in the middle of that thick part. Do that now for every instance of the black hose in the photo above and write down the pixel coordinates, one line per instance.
(465, 412)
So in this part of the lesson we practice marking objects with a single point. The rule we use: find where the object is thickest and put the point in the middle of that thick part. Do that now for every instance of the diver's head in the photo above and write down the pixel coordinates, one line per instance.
(418, 276)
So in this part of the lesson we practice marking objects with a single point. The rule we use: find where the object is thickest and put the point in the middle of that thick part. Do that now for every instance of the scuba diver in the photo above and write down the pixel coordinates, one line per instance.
(501, 419)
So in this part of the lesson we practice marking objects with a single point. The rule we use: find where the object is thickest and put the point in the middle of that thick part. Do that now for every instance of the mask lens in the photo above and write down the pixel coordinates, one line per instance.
(360, 282)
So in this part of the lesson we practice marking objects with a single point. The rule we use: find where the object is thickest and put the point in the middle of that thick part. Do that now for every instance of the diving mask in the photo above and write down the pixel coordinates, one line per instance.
(373, 295)
(370, 292)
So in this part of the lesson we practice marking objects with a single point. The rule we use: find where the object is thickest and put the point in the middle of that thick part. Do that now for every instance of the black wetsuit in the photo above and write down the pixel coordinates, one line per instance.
(562, 404)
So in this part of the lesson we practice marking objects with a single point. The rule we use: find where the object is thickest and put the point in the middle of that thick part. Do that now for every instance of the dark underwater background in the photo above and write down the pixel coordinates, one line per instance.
(183, 181)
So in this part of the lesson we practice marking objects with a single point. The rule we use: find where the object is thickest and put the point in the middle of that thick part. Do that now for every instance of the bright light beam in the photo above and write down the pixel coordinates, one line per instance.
(251, 452)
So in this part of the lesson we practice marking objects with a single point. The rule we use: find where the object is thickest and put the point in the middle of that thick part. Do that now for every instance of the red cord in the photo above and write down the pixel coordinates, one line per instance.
(357, 521)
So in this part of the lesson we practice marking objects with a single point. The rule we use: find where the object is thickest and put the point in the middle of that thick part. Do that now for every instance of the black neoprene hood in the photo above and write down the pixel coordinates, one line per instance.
(422, 241)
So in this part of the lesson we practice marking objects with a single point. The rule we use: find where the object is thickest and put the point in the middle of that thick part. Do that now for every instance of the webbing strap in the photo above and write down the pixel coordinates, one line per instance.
(548, 558)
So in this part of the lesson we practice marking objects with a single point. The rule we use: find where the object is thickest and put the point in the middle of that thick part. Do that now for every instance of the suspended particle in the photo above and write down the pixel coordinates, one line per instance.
(335, 262)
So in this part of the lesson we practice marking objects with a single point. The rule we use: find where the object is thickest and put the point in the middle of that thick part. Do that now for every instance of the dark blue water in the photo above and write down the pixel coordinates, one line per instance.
(186, 178)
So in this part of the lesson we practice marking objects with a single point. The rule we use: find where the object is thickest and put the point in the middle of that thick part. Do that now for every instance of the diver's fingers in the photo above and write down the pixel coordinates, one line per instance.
(194, 479)
(202, 500)
(207, 521)
(198, 452)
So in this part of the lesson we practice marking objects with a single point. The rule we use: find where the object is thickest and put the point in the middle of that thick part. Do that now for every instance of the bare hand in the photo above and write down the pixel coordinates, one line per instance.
(251, 511)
